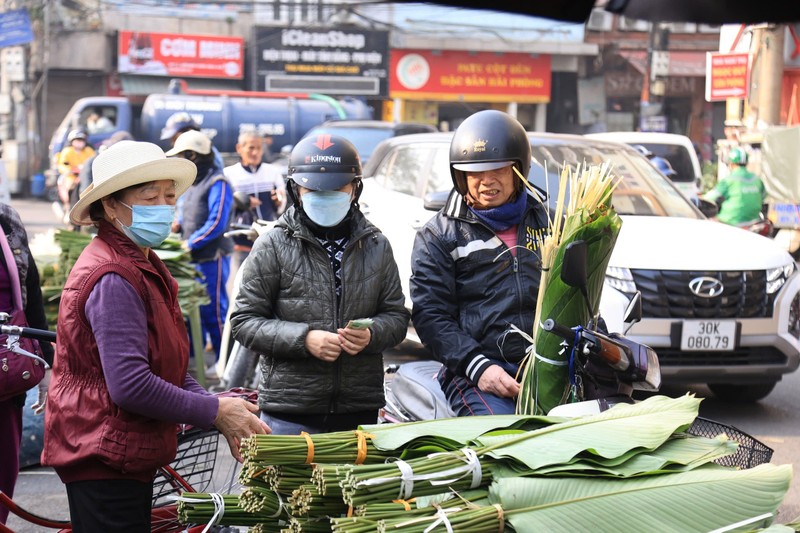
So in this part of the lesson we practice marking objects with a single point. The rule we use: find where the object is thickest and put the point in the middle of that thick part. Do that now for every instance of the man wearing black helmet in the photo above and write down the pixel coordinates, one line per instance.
(476, 266)
(306, 286)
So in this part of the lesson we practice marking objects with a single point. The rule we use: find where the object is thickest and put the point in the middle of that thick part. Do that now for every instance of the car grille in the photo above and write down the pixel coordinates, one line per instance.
(666, 294)
(742, 356)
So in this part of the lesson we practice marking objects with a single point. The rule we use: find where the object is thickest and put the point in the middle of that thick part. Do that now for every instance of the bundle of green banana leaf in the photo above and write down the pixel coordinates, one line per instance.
(588, 216)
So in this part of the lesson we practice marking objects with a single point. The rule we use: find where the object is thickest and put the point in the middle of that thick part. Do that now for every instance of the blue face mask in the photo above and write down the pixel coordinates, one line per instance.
(326, 208)
(151, 224)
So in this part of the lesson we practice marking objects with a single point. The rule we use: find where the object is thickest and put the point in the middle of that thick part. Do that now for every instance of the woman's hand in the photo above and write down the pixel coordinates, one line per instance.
(324, 345)
(353, 341)
(237, 419)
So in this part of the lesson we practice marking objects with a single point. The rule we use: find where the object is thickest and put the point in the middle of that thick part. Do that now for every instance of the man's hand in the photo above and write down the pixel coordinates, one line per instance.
(353, 341)
(44, 385)
(324, 345)
(497, 381)
(236, 419)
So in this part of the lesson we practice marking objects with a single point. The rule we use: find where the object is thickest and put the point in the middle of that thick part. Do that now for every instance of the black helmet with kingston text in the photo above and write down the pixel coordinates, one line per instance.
(488, 140)
(324, 163)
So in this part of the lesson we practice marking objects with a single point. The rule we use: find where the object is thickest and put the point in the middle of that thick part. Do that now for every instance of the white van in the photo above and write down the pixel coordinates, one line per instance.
(677, 149)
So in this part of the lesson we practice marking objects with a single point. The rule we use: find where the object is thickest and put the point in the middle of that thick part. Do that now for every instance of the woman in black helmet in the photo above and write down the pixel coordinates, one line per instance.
(476, 266)
(322, 266)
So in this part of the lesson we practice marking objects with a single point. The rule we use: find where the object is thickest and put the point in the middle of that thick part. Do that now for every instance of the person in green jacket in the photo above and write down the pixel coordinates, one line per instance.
(741, 194)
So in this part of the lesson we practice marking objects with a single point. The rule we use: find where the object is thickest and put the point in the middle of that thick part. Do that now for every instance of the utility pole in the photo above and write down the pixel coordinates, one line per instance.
(771, 40)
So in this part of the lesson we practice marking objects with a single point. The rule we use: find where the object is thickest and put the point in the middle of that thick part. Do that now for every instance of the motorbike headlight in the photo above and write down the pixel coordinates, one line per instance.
(621, 279)
(776, 277)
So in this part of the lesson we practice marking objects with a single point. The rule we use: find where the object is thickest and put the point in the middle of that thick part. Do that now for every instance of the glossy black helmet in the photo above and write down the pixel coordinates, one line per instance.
(488, 140)
(324, 163)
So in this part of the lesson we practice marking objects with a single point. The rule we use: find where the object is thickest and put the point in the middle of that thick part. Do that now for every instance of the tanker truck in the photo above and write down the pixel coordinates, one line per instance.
(221, 115)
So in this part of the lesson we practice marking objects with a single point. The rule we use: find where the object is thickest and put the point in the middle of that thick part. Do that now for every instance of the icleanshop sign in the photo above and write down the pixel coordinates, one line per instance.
(470, 76)
(173, 54)
(726, 76)
(351, 61)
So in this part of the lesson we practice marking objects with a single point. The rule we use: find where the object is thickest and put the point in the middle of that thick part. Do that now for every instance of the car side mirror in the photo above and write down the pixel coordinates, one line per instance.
(709, 209)
(436, 200)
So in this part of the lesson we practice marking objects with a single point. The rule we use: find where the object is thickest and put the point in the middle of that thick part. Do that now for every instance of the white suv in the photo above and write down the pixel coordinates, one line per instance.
(720, 304)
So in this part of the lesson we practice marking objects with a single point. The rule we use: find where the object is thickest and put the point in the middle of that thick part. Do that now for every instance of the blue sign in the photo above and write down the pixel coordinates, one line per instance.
(15, 28)
(657, 123)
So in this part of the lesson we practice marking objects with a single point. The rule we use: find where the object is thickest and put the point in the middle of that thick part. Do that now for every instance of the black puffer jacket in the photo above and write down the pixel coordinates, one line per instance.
(468, 289)
(288, 289)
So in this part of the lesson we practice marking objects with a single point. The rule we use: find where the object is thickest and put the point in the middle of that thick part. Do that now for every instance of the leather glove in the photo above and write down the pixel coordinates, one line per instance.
(38, 407)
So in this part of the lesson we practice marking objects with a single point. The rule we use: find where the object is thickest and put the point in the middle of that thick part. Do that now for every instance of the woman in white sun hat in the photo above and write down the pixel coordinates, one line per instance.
(120, 383)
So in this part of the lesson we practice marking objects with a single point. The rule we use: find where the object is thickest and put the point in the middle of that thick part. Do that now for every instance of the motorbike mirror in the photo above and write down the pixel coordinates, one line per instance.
(241, 201)
(434, 201)
(573, 268)
(633, 313)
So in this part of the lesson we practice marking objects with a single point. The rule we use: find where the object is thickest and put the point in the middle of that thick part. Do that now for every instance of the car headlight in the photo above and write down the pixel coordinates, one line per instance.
(776, 277)
(621, 279)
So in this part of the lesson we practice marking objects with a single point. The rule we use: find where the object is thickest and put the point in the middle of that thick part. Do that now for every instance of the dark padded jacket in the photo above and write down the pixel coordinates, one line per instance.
(468, 289)
(288, 289)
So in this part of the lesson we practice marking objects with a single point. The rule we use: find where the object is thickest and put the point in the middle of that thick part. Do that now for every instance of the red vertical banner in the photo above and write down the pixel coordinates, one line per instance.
(726, 76)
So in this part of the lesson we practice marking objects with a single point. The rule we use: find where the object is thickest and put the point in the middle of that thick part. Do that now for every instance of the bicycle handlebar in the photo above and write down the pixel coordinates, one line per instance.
(30, 333)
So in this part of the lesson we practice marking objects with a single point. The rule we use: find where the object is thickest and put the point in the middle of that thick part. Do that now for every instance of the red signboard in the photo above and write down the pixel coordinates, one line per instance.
(174, 54)
(469, 76)
(726, 76)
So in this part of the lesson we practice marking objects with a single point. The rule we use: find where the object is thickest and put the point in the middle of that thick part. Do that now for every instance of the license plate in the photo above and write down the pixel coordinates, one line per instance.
(708, 335)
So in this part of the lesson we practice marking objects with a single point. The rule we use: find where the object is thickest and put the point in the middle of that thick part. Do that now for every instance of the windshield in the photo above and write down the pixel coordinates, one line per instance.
(677, 156)
(643, 190)
(364, 139)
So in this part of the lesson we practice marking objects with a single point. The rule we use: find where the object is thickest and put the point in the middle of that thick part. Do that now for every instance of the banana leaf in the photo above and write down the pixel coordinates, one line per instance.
(701, 500)
(675, 455)
(644, 425)
(567, 306)
(586, 215)
(451, 433)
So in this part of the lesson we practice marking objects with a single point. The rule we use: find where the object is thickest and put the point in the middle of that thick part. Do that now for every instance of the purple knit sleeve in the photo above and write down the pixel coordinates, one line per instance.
(122, 341)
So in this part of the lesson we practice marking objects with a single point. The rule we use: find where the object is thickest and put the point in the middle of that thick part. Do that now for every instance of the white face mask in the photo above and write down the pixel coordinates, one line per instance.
(326, 208)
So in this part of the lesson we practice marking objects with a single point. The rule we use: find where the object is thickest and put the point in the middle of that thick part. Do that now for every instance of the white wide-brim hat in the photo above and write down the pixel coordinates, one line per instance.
(128, 163)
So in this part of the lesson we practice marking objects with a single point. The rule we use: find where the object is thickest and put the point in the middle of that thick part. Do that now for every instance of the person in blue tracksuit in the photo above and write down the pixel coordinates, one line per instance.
(204, 219)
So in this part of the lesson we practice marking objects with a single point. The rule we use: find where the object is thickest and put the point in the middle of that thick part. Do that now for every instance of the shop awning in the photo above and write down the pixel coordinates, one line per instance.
(143, 85)
(681, 63)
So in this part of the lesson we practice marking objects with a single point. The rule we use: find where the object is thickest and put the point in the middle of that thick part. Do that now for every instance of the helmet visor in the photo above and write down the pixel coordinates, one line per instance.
(482, 167)
(319, 181)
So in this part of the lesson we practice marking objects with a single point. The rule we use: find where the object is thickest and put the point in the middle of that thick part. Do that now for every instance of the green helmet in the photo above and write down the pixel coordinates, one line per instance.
(737, 156)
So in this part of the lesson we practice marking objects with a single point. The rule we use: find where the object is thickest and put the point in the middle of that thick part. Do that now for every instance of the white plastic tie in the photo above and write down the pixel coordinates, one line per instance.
(219, 511)
(441, 515)
(280, 505)
(472, 466)
(406, 479)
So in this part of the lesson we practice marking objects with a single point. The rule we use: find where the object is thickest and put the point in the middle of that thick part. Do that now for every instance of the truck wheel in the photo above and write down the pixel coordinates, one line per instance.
(741, 393)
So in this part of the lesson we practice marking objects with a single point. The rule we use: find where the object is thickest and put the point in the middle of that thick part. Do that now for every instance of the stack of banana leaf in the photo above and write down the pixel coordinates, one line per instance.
(191, 293)
(629, 469)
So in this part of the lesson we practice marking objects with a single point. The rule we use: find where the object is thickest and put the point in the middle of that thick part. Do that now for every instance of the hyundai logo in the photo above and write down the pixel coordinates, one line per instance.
(706, 287)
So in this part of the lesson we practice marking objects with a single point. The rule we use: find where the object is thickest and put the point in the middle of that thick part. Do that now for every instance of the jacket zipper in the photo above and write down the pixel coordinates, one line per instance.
(337, 377)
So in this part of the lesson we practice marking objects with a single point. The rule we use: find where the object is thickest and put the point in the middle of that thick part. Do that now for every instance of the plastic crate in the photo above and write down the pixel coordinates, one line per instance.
(751, 452)
(194, 462)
